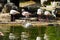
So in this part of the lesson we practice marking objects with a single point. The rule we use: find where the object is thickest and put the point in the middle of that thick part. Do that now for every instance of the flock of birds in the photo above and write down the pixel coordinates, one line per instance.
(40, 13)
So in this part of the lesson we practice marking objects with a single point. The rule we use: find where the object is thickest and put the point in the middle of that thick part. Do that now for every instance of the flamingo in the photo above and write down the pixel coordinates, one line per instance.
(47, 14)
(25, 13)
(53, 13)
(39, 13)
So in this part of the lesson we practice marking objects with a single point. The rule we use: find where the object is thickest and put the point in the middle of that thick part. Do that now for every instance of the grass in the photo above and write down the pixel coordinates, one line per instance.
(52, 31)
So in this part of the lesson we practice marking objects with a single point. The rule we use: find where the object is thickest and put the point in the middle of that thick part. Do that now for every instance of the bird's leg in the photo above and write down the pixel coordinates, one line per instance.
(39, 18)
(46, 18)
(27, 17)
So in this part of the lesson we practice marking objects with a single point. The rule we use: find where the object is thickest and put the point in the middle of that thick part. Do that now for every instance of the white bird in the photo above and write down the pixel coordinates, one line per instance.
(53, 13)
(25, 13)
(47, 14)
(39, 13)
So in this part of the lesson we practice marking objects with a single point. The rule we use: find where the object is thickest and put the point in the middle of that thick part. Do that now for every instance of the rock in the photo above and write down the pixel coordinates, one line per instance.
(4, 17)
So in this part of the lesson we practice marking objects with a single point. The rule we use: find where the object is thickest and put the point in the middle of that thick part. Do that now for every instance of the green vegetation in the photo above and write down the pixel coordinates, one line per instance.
(53, 32)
